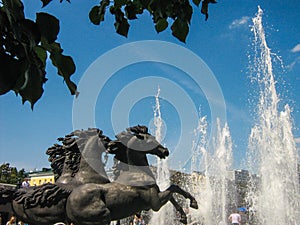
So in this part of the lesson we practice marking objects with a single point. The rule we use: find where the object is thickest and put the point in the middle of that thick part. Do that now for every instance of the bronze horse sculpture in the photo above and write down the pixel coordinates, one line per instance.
(45, 204)
(122, 167)
(80, 174)
(134, 189)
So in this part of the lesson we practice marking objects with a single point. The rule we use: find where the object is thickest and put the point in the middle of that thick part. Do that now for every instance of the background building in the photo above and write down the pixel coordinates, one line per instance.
(41, 177)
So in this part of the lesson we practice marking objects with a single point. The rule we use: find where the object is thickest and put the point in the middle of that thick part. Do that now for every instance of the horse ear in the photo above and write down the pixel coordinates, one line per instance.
(143, 129)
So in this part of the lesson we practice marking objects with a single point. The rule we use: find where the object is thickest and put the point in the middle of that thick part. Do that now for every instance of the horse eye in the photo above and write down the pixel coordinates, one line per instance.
(140, 136)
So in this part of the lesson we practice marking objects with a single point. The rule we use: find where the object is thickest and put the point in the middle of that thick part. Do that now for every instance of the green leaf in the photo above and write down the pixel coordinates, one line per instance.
(66, 68)
(196, 2)
(204, 8)
(45, 2)
(95, 15)
(145, 3)
(187, 12)
(52, 48)
(119, 3)
(122, 27)
(161, 25)
(131, 11)
(180, 29)
(15, 9)
(64, 64)
(139, 8)
(48, 25)
(33, 88)
(10, 70)
(72, 87)
(30, 32)
(121, 24)
(41, 53)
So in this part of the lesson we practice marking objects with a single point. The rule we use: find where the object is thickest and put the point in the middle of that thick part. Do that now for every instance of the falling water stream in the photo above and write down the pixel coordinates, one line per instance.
(273, 196)
(272, 149)
(165, 214)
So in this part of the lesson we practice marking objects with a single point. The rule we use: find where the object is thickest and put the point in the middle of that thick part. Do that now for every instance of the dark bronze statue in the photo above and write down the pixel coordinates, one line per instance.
(45, 204)
(83, 194)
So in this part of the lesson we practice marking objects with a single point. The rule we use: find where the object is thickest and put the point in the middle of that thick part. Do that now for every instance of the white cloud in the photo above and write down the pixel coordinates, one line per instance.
(297, 140)
(239, 22)
(296, 48)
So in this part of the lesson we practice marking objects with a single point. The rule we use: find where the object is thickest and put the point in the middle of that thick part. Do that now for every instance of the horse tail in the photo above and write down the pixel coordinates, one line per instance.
(6, 195)
(45, 195)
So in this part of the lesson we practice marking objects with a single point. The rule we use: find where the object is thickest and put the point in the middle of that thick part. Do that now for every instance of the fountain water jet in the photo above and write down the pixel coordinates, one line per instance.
(273, 197)
(272, 151)
(165, 214)
(212, 188)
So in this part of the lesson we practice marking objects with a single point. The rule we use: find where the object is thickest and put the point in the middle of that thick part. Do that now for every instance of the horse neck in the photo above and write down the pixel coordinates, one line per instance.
(137, 158)
(67, 174)
(91, 168)
(138, 172)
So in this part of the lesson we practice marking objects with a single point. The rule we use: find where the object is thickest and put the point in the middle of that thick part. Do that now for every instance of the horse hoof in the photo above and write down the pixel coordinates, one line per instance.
(194, 204)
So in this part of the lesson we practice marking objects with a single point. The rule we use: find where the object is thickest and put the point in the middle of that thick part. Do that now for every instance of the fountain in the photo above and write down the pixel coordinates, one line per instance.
(273, 192)
(162, 170)
(212, 188)
(272, 151)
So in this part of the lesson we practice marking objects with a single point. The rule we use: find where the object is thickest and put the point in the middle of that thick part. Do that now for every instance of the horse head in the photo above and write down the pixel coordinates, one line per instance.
(134, 144)
(92, 144)
(79, 157)
(142, 142)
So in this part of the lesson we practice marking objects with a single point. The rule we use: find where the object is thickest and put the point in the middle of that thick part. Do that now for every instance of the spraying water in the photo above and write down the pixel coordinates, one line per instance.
(199, 144)
(219, 173)
(165, 214)
(273, 196)
(212, 189)
(272, 150)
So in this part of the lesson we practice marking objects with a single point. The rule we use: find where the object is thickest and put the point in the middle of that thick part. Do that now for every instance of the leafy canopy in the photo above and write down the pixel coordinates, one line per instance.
(11, 175)
(26, 44)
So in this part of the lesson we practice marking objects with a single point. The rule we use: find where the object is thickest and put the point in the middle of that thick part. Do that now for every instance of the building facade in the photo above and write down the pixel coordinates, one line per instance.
(41, 177)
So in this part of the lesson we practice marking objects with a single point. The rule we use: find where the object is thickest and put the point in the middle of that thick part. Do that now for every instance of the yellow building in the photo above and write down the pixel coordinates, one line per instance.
(41, 177)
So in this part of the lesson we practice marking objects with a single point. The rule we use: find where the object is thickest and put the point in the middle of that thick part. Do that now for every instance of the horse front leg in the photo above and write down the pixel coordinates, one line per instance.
(176, 189)
(183, 217)
(163, 198)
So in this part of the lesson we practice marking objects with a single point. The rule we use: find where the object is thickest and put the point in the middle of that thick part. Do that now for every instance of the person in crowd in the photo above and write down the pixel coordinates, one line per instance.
(138, 220)
(235, 218)
(12, 221)
(25, 183)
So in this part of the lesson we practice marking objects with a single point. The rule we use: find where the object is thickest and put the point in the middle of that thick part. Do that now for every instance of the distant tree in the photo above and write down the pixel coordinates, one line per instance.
(10, 175)
(25, 44)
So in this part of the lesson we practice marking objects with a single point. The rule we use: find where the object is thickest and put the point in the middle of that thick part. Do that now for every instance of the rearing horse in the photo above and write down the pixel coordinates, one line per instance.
(76, 162)
(134, 190)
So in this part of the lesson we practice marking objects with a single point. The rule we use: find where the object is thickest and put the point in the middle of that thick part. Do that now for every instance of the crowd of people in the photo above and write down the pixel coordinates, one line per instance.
(12, 221)
(234, 219)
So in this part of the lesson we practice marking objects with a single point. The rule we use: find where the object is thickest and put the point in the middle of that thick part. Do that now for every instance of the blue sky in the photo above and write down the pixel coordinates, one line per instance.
(222, 44)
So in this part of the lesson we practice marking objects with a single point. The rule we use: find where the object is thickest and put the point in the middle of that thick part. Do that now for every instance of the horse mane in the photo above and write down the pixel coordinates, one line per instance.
(69, 152)
(125, 136)
(45, 195)
(139, 129)
(119, 146)
(6, 194)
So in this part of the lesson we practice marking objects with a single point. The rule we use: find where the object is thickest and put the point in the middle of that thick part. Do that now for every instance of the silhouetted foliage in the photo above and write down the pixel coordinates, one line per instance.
(26, 44)
(10, 175)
